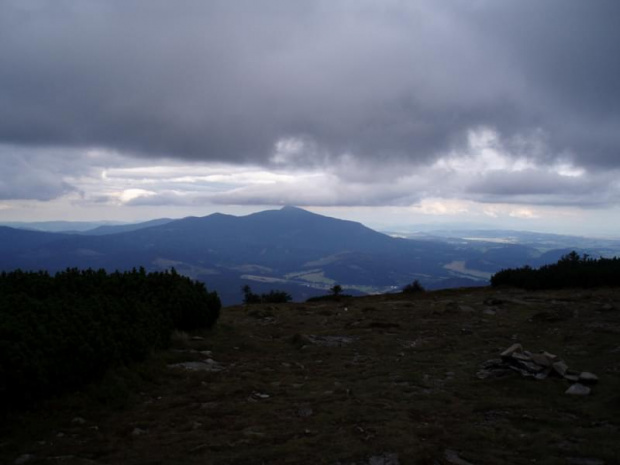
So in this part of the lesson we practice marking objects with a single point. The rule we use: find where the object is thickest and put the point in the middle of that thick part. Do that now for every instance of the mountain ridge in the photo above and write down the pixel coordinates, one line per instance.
(290, 248)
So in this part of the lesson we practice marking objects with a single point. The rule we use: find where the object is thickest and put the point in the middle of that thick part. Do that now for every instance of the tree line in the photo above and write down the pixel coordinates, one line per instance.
(571, 271)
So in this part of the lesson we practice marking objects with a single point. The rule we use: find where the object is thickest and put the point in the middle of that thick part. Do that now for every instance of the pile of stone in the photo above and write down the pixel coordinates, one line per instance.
(538, 366)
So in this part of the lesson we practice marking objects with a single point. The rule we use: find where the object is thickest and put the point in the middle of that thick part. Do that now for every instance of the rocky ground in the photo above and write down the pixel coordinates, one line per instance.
(383, 380)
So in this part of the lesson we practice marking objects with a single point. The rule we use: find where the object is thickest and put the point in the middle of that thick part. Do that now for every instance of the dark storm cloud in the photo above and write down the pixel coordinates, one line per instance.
(544, 188)
(378, 81)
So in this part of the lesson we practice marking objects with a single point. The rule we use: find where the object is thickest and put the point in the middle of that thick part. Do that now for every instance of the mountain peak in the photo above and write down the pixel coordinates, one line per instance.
(292, 208)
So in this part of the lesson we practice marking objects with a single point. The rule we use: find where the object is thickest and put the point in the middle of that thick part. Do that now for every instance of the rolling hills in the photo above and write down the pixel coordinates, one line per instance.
(289, 249)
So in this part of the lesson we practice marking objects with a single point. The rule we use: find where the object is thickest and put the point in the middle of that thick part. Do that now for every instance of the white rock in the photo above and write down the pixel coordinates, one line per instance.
(578, 389)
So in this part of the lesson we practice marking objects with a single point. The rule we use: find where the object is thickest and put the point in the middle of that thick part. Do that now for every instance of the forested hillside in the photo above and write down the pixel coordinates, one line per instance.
(571, 271)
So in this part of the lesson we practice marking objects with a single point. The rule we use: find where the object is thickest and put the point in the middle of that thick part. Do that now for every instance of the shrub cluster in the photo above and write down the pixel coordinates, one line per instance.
(572, 270)
(60, 332)
(414, 288)
(272, 297)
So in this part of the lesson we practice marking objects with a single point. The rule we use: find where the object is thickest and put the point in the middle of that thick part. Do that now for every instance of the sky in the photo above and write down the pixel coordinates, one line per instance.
(394, 113)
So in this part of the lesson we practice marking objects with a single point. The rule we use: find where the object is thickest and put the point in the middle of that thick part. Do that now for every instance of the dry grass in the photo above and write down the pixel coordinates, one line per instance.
(403, 382)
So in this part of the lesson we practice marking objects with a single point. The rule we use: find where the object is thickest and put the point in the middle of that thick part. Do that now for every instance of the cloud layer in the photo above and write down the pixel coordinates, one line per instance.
(343, 102)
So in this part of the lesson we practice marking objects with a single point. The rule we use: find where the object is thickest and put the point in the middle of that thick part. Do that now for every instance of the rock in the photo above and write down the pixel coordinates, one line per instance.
(521, 356)
(453, 458)
(305, 412)
(530, 366)
(327, 341)
(209, 405)
(583, 461)
(466, 309)
(384, 459)
(138, 432)
(256, 396)
(588, 378)
(494, 373)
(578, 389)
(560, 367)
(542, 360)
(511, 350)
(543, 374)
(23, 459)
(572, 375)
(206, 365)
(607, 308)
(78, 421)
(551, 357)
(489, 311)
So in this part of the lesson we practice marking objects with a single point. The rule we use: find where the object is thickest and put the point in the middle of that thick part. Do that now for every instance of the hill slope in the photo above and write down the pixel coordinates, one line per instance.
(372, 380)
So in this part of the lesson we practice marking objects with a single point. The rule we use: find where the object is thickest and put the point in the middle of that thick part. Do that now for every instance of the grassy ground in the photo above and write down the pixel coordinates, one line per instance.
(373, 380)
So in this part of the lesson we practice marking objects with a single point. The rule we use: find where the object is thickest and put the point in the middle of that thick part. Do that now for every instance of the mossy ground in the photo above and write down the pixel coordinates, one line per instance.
(405, 385)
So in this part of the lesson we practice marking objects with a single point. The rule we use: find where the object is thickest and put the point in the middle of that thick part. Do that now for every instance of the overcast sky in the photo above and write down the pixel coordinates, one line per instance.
(394, 113)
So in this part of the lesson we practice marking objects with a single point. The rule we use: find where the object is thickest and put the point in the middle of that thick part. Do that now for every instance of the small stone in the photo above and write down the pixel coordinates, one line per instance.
(23, 459)
(453, 458)
(607, 308)
(551, 357)
(196, 425)
(384, 459)
(138, 432)
(78, 421)
(305, 412)
(511, 350)
(578, 389)
(198, 338)
(543, 374)
(489, 311)
(583, 461)
(588, 378)
(60, 435)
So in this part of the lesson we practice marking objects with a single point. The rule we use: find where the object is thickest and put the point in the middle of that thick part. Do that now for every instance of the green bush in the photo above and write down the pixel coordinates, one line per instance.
(413, 288)
(272, 297)
(60, 332)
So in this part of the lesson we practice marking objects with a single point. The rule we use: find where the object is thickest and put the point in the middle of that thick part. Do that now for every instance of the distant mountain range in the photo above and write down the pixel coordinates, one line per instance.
(288, 249)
